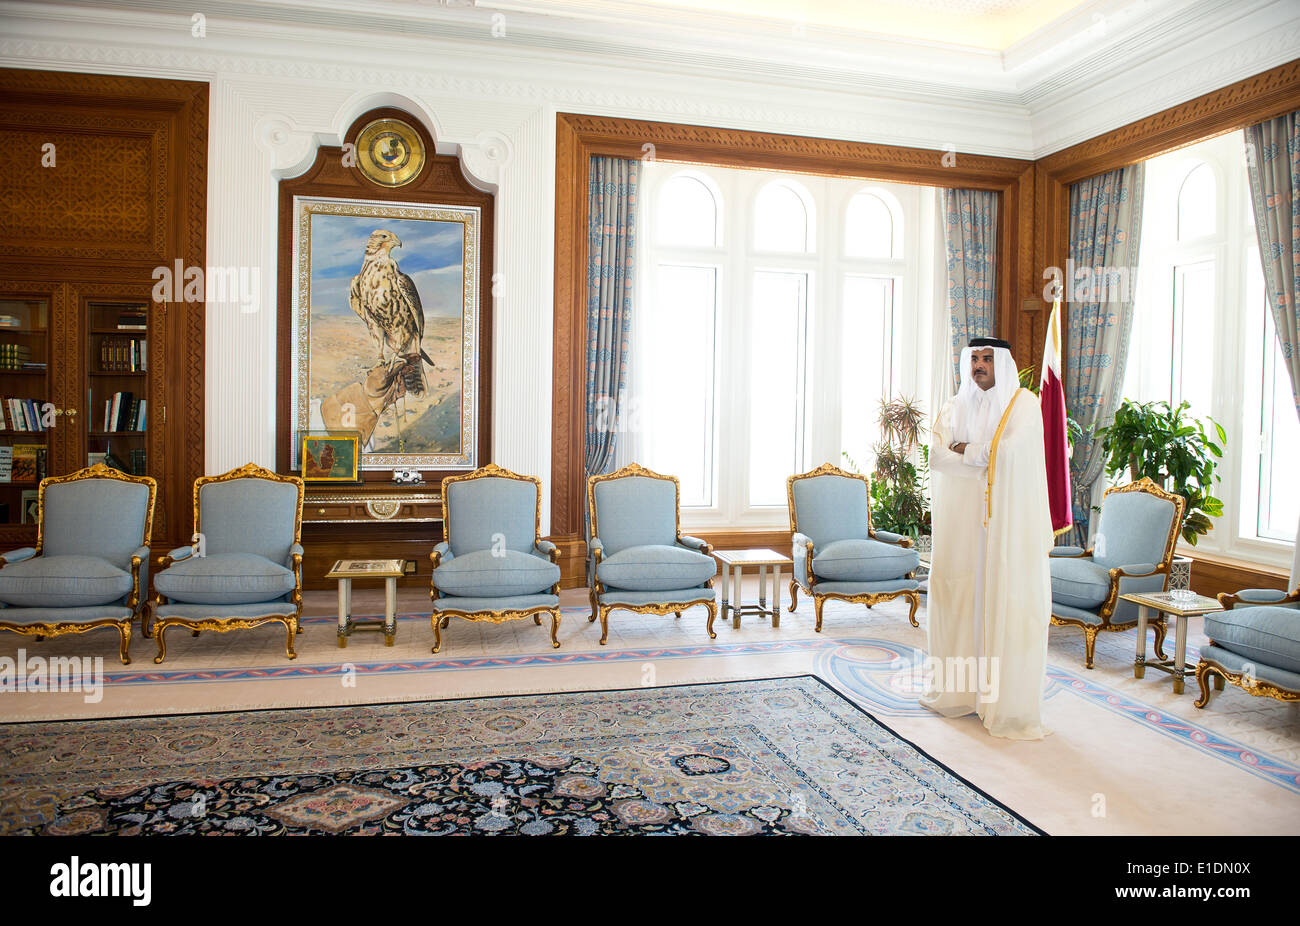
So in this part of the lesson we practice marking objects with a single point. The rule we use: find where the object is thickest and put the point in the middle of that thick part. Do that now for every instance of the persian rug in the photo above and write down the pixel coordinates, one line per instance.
(785, 756)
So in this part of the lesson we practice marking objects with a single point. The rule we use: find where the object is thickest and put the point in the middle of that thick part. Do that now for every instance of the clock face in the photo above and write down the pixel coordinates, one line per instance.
(390, 152)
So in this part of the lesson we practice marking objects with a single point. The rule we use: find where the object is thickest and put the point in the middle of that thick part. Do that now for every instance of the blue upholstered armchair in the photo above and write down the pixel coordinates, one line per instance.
(836, 552)
(639, 559)
(245, 568)
(1132, 552)
(494, 565)
(1255, 642)
(90, 565)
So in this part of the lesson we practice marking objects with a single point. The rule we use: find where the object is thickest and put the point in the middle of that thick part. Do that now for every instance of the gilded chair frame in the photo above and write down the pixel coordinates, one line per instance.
(1208, 669)
(913, 596)
(596, 588)
(292, 620)
(59, 628)
(1107, 608)
(441, 618)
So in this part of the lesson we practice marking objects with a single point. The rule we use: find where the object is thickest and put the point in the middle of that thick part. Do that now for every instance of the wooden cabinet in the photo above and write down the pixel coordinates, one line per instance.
(372, 520)
(104, 181)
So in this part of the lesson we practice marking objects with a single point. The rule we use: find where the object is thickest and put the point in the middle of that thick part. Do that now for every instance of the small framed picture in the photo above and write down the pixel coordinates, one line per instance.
(329, 456)
(31, 506)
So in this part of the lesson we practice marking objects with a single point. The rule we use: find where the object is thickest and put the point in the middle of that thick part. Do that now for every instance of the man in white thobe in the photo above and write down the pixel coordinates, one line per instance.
(990, 590)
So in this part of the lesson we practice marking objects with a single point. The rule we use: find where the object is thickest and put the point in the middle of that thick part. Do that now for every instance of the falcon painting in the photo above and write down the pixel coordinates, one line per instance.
(387, 301)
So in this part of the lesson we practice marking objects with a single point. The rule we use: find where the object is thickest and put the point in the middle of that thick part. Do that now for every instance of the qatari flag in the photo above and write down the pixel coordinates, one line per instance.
(1056, 444)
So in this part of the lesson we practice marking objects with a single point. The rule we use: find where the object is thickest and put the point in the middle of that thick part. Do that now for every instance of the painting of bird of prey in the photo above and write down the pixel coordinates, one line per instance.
(386, 318)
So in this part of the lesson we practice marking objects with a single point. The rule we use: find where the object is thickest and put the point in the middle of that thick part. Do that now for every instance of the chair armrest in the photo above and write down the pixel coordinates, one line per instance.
(890, 537)
(1249, 596)
(546, 550)
(1135, 571)
(595, 547)
(1069, 551)
(139, 576)
(694, 543)
(440, 554)
(17, 556)
(295, 550)
(175, 556)
(801, 556)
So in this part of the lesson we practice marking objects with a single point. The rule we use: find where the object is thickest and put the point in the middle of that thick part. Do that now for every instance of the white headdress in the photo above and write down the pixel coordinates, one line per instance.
(1006, 378)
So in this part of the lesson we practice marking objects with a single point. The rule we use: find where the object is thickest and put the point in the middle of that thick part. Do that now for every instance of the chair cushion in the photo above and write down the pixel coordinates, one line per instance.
(224, 578)
(656, 568)
(1079, 583)
(500, 574)
(863, 560)
(63, 582)
(1263, 634)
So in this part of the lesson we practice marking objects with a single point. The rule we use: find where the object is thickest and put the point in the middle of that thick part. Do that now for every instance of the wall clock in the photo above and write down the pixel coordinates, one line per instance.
(390, 152)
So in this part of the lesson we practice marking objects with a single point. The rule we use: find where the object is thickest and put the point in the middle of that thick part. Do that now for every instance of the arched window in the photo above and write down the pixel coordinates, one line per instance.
(783, 218)
(1196, 212)
(872, 227)
(688, 213)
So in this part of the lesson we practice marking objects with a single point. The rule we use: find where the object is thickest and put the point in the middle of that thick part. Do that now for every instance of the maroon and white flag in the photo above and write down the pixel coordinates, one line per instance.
(1056, 449)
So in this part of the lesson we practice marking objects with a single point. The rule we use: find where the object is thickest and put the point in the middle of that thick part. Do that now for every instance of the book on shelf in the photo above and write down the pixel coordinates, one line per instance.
(138, 467)
(14, 356)
(6, 463)
(124, 412)
(117, 464)
(10, 321)
(21, 414)
(25, 462)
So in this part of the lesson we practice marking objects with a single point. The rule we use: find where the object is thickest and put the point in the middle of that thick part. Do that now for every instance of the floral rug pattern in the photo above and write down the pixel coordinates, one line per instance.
(764, 757)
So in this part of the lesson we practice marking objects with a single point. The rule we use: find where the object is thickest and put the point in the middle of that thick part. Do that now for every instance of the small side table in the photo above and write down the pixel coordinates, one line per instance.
(733, 563)
(1178, 609)
(346, 570)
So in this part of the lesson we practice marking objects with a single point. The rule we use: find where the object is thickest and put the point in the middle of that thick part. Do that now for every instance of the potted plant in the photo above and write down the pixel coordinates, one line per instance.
(898, 486)
(1174, 450)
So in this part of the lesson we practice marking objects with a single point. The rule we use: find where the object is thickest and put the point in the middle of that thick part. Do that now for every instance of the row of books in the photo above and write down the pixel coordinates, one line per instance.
(13, 356)
(24, 414)
(124, 412)
(122, 355)
(22, 463)
(137, 457)
(132, 320)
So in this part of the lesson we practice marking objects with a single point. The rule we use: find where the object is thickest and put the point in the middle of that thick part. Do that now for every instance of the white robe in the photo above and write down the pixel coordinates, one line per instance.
(990, 591)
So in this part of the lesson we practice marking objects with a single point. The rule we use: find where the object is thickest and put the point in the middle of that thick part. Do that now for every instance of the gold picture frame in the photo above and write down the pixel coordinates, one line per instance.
(328, 457)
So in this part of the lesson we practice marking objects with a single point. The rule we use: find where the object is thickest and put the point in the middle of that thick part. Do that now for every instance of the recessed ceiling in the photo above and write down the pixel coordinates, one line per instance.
(990, 24)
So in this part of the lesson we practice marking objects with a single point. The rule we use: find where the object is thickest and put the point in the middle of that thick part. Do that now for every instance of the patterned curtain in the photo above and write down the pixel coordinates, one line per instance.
(1100, 283)
(1273, 164)
(970, 225)
(610, 246)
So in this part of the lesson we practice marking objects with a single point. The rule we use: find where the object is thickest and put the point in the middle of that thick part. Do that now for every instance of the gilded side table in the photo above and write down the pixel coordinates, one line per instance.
(733, 563)
(346, 570)
(1181, 610)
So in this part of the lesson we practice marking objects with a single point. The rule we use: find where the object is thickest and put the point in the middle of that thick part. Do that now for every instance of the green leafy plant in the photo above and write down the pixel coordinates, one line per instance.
(898, 496)
(1175, 451)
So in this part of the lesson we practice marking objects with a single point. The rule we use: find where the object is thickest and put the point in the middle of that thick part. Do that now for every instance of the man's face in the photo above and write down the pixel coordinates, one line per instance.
(981, 367)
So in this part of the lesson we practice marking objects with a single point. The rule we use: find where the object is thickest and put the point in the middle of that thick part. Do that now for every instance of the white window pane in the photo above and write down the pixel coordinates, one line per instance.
(688, 213)
(1194, 336)
(780, 220)
(1279, 504)
(1196, 204)
(868, 227)
(678, 411)
(776, 383)
(866, 341)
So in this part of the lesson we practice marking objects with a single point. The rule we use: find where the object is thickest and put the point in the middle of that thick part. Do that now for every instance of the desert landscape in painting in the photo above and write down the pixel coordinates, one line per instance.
(342, 354)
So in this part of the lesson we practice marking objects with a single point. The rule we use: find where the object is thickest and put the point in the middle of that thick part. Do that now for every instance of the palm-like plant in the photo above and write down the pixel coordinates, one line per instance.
(1155, 440)
(898, 500)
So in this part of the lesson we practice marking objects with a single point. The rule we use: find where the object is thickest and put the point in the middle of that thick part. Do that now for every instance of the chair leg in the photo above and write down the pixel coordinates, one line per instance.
(604, 624)
(125, 629)
(794, 596)
(1161, 628)
(818, 603)
(446, 621)
(437, 632)
(555, 628)
(915, 599)
(1203, 673)
(1089, 645)
(290, 628)
(194, 633)
(712, 607)
(160, 632)
(591, 594)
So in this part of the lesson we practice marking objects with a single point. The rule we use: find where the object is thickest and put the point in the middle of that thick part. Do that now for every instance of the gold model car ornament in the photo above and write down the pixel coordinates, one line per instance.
(390, 152)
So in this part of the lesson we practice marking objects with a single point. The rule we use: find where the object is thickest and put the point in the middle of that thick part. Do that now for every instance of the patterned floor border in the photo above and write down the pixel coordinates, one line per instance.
(868, 681)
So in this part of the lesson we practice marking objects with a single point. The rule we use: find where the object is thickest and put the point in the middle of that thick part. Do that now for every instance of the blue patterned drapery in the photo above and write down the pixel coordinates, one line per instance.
(1100, 283)
(970, 227)
(1273, 165)
(611, 233)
